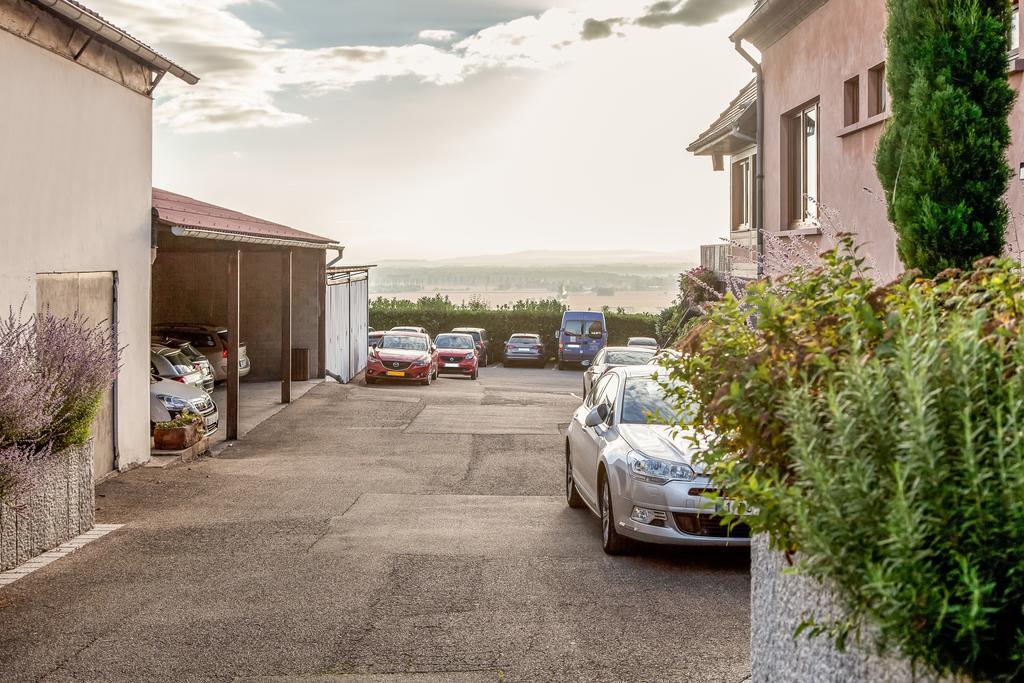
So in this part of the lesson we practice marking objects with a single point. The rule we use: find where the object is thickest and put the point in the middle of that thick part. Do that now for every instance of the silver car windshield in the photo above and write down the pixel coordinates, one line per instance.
(394, 341)
(644, 402)
(631, 357)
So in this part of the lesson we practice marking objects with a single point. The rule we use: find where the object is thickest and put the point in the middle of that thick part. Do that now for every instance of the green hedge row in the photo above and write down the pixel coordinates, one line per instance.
(501, 324)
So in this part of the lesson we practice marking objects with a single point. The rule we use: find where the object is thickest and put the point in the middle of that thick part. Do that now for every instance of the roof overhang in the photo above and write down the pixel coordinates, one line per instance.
(204, 234)
(772, 19)
(740, 136)
(97, 25)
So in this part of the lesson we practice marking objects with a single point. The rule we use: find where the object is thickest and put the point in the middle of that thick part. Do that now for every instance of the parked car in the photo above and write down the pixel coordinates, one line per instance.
(408, 356)
(614, 357)
(581, 335)
(209, 340)
(421, 330)
(373, 338)
(525, 348)
(168, 399)
(456, 355)
(665, 355)
(647, 342)
(483, 342)
(172, 364)
(627, 463)
(199, 361)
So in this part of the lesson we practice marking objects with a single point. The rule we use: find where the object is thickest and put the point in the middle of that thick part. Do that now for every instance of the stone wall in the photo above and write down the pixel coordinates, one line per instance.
(779, 603)
(59, 508)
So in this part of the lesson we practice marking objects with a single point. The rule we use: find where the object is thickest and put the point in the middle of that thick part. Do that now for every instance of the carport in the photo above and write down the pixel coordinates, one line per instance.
(264, 282)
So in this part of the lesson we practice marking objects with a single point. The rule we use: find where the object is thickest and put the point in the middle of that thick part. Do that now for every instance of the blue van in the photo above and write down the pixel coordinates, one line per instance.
(582, 335)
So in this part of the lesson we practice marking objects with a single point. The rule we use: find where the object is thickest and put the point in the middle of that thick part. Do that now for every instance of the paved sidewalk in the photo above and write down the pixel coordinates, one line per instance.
(339, 543)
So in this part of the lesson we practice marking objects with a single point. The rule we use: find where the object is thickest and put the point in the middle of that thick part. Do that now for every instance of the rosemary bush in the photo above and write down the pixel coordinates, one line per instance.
(53, 372)
(879, 431)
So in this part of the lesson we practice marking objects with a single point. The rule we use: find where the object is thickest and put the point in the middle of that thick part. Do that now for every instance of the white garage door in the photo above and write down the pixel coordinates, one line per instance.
(93, 295)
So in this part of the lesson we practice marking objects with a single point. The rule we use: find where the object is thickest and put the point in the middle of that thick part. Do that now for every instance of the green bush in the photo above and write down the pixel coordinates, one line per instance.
(942, 157)
(438, 315)
(880, 433)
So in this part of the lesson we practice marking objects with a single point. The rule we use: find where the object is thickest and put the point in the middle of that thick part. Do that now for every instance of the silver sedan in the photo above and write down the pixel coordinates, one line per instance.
(624, 461)
(613, 357)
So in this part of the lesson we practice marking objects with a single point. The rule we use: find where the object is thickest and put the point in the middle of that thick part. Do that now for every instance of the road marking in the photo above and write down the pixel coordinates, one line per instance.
(579, 398)
(40, 561)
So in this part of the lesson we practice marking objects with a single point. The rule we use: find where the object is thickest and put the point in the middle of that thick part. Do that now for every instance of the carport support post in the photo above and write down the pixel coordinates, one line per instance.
(234, 334)
(321, 339)
(286, 327)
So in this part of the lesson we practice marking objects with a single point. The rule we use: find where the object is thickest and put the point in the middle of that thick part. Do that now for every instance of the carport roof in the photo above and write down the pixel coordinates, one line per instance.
(200, 219)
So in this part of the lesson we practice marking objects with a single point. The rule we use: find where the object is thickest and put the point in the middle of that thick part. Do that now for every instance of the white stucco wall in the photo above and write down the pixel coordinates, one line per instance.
(75, 184)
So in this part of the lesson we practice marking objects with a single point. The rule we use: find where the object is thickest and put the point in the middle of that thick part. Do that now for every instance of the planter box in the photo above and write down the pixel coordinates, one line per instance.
(60, 507)
(779, 602)
(177, 438)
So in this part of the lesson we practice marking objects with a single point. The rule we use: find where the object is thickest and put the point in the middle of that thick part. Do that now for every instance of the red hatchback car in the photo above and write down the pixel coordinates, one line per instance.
(408, 356)
(457, 355)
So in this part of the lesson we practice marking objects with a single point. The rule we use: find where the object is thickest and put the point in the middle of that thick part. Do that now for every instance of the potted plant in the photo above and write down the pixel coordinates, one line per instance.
(182, 432)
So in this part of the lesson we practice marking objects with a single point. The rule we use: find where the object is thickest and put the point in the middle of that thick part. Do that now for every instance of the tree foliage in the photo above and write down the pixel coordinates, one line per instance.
(878, 433)
(941, 159)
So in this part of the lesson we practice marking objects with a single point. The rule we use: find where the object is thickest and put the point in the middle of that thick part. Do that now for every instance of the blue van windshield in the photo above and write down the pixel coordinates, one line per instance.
(580, 328)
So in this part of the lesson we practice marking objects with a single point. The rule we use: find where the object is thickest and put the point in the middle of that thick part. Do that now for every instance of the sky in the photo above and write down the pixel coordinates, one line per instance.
(441, 128)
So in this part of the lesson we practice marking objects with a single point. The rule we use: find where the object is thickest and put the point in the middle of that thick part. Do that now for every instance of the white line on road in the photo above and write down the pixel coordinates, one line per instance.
(579, 398)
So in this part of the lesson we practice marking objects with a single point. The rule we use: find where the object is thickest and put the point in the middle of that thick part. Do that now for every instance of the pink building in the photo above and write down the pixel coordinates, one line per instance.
(825, 104)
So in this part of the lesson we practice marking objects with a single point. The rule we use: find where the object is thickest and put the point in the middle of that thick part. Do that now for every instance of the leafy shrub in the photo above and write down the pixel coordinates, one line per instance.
(185, 419)
(942, 157)
(437, 314)
(880, 432)
(53, 372)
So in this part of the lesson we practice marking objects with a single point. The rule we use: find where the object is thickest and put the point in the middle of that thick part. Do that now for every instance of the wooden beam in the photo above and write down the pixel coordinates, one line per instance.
(286, 327)
(234, 334)
(321, 330)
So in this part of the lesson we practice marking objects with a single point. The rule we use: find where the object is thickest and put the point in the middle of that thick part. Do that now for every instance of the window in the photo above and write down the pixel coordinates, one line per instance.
(802, 160)
(598, 391)
(743, 193)
(851, 97)
(1015, 28)
(878, 96)
(611, 398)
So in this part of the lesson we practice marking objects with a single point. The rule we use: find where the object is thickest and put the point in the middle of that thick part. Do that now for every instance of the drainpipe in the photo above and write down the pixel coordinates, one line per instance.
(759, 166)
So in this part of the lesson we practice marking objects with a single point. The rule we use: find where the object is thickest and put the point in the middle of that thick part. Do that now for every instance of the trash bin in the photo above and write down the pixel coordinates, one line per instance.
(300, 365)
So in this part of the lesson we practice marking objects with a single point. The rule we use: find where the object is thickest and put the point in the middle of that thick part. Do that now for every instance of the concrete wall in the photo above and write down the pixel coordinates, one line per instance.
(779, 602)
(60, 507)
(192, 287)
(75, 184)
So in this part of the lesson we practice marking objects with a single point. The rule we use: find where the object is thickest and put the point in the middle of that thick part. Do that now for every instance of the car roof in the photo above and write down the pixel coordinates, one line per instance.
(524, 334)
(404, 333)
(469, 329)
(636, 370)
(628, 348)
(582, 315)
(377, 333)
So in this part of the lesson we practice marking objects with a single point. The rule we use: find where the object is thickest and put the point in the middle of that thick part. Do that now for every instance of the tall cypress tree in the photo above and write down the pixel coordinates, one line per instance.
(942, 158)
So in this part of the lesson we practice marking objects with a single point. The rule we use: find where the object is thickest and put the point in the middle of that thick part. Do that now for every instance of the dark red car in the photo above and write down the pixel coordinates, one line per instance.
(457, 355)
(408, 356)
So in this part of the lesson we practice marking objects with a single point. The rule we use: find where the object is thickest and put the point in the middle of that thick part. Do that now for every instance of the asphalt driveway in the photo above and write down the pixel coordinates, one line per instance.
(386, 533)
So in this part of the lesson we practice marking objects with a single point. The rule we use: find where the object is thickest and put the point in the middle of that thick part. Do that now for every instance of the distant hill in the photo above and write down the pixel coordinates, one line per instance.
(542, 257)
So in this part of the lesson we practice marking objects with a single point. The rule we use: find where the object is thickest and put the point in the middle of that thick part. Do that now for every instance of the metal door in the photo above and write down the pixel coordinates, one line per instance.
(92, 294)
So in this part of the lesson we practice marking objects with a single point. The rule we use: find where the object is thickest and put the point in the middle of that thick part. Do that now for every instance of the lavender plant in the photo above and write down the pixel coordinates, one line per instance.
(53, 372)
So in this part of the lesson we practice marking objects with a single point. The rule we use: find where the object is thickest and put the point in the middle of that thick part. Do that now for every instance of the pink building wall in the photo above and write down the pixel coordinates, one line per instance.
(839, 40)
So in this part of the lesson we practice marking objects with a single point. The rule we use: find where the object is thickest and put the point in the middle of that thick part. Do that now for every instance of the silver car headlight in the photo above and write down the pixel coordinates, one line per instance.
(657, 471)
(173, 402)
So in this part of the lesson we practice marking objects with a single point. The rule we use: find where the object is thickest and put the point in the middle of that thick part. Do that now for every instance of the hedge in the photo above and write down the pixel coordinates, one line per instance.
(501, 324)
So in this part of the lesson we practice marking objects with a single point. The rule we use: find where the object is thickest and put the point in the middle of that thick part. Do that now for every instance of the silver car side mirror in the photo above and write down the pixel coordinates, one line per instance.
(596, 416)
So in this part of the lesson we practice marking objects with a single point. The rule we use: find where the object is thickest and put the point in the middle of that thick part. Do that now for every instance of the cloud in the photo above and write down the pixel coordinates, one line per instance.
(594, 29)
(244, 72)
(688, 12)
(437, 35)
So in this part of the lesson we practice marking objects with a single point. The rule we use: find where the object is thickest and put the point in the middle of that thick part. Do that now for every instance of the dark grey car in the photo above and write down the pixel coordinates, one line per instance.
(525, 348)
